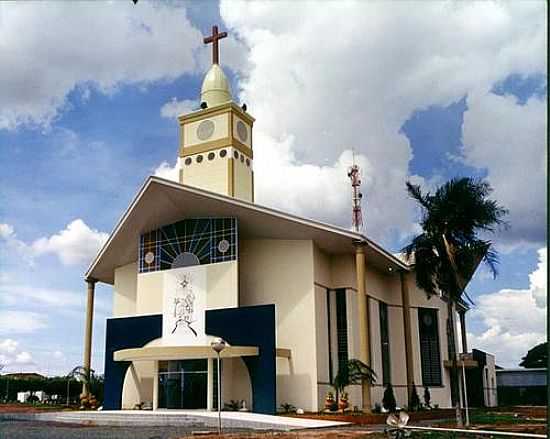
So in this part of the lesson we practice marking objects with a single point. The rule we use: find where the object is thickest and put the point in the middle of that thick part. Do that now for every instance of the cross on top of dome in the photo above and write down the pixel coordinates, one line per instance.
(214, 38)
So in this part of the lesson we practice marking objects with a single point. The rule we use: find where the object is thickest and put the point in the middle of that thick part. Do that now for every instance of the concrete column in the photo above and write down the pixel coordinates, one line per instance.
(210, 386)
(408, 336)
(88, 332)
(462, 315)
(363, 326)
(155, 385)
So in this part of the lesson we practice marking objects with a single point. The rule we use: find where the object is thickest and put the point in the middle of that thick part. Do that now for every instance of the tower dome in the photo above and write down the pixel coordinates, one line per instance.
(215, 87)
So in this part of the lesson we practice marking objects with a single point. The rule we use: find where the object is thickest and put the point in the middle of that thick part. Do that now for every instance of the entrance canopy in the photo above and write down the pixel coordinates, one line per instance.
(182, 353)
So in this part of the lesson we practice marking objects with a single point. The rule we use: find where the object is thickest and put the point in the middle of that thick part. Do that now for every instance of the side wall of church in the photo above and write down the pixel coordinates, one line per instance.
(418, 299)
(381, 287)
(281, 272)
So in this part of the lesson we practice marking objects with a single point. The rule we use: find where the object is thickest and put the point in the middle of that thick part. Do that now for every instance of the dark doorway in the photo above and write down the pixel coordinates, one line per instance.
(182, 384)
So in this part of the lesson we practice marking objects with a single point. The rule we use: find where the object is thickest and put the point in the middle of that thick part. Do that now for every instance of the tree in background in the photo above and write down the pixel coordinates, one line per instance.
(536, 357)
(449, 249)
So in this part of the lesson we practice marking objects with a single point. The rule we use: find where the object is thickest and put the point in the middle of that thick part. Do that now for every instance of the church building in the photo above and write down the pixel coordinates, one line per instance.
(197, 260)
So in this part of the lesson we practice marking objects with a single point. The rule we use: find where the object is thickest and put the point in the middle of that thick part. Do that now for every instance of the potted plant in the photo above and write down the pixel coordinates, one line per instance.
(351, 372)
(330, 402)
(343, 402)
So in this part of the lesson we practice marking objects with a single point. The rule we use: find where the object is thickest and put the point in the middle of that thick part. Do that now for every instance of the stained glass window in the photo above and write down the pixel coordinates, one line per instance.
(196, 241)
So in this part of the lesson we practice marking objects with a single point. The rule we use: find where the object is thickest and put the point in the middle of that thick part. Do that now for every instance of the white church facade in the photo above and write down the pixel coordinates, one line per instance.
(197, 260)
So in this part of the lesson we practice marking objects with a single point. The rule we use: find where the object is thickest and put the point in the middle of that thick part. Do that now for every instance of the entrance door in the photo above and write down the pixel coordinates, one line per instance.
(182, 384)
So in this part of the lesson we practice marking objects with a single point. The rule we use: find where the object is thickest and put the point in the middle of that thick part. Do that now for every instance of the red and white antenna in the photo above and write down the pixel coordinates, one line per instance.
(357, 214)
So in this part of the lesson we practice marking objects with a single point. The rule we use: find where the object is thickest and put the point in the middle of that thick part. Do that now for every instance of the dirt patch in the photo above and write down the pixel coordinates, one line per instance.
(378, 418)
(317, 434)
(28, 408)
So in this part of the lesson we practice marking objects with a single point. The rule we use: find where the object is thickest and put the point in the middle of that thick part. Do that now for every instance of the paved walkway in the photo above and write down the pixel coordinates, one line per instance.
(195, 418)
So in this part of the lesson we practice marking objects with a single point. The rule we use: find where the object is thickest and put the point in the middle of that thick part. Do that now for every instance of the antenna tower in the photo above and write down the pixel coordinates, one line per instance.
(357, 214)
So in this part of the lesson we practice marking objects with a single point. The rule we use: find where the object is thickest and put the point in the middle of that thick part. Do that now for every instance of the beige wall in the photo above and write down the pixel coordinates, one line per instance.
(149, 293)
(125, 289)
(212, 175)
(281, 272)
(243, 179)
(221, 130)
(221, 280)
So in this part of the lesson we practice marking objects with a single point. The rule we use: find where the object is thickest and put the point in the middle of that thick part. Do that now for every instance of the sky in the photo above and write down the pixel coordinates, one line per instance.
(423, 91)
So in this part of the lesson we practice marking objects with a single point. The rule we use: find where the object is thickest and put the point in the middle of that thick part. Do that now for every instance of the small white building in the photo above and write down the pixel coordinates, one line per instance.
(23, 397)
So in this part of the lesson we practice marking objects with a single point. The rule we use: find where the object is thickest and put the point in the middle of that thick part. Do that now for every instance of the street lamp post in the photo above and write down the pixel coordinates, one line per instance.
(218, 346)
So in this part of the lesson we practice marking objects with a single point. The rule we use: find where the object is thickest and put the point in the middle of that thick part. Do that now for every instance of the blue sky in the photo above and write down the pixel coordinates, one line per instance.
(79, 135)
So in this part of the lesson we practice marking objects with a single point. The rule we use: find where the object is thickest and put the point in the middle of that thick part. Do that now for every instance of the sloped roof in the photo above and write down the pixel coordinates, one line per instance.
(160, 202)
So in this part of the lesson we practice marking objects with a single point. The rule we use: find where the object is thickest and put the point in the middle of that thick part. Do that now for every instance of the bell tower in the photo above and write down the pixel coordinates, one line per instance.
(215, 151)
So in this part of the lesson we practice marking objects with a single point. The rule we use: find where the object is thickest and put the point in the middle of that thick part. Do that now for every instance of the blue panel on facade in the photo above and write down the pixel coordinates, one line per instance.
(125, 333)
(251, 326)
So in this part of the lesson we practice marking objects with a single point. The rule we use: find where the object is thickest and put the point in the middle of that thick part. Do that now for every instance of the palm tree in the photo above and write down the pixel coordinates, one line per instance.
(449, 249)
(352, 372)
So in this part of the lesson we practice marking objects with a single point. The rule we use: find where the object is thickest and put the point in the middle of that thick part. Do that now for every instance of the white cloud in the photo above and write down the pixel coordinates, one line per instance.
(23, 358)
(12, 358)
(86, 46)
(316, 94)
(509, 140)
(514, 320)
(165, 170)
(6, 231)
(175, 108)
(8, 346)
(76, 244)
(25, 296)
(21, 322)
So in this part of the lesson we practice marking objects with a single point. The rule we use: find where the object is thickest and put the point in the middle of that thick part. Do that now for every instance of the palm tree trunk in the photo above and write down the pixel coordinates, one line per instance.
(454, 367)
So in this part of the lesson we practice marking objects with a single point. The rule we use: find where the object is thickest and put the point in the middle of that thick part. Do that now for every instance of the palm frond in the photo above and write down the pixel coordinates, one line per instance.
(416, 194)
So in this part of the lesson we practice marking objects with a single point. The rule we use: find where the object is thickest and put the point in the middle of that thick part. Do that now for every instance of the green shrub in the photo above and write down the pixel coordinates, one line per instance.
(388, 401)
(414, 403)
(427, 396)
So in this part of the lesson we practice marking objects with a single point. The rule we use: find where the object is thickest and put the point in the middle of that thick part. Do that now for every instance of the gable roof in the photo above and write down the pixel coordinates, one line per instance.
(160, 202)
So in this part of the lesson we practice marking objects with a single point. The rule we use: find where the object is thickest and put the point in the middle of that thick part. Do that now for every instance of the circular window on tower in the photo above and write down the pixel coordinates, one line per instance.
(235, 154)
(211, 156)
(223, 153)
(242, 132)
(247, 162)
(205, 129)
(199, 158)
(188, 161)
(242, 158)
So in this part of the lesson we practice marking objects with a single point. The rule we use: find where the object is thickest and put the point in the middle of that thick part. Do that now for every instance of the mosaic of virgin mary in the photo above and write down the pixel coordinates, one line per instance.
(184, 305)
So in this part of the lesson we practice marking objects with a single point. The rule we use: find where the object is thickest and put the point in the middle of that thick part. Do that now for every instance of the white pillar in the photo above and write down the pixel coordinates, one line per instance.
(210, 385)
(155, 385)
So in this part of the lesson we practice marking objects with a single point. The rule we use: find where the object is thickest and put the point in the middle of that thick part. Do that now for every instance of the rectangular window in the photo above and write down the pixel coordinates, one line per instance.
(429, 347)
(341, 326)
(385, 343)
